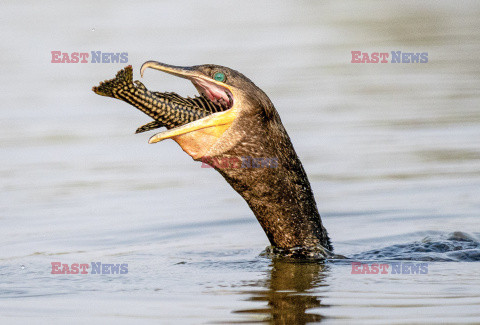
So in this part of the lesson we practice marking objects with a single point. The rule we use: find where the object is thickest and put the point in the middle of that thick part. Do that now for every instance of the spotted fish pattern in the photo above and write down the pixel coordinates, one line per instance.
(167, 109)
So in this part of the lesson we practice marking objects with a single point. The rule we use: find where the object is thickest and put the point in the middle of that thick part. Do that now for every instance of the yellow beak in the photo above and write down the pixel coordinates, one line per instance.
(196, 137)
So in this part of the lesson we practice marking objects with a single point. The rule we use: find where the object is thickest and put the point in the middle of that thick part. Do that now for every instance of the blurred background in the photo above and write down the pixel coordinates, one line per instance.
(392, 152)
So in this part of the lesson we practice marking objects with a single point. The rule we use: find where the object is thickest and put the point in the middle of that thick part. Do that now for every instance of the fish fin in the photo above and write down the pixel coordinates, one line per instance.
(197, 101)
(202, 102)
(149, 126)
(208, 105)
(173, 97)
(140, 85)
(109, 87)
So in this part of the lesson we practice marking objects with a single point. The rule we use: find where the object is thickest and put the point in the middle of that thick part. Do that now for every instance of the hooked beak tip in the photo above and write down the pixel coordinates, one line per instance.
(144, 67)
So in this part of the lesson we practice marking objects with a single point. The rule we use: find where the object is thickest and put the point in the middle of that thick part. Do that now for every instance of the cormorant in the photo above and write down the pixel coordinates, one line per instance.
(233, 120)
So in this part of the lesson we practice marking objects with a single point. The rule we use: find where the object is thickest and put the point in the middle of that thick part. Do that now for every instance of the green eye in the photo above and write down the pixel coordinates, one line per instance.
(219, 77)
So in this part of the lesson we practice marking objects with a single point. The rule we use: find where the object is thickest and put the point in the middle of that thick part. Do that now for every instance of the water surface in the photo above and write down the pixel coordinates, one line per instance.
(392, 152)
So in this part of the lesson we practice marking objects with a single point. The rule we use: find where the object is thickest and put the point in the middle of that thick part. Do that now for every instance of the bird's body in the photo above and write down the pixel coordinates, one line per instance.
(244, 123)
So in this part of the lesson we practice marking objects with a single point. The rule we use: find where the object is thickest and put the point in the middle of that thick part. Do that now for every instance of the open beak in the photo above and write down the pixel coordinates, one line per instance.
(198, 136)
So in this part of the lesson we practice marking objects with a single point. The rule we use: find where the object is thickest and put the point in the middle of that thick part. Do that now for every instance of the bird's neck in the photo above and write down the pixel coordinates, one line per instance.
(276, 187)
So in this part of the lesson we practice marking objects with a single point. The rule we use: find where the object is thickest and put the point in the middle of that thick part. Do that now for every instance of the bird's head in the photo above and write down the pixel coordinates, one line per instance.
(242, 103)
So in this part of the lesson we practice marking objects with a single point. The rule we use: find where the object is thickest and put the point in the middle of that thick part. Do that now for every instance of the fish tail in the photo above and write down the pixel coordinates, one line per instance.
(110, 87)
(133, 92)
(167, 109)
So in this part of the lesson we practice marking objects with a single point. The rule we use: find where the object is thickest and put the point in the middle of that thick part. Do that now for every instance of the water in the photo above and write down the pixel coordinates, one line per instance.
(392, 152)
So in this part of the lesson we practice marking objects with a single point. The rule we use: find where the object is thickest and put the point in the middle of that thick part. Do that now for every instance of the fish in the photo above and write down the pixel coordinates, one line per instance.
(167, 109)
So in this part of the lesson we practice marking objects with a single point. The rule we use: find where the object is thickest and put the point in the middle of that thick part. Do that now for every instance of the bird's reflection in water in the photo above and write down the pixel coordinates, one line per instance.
(289, 293)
